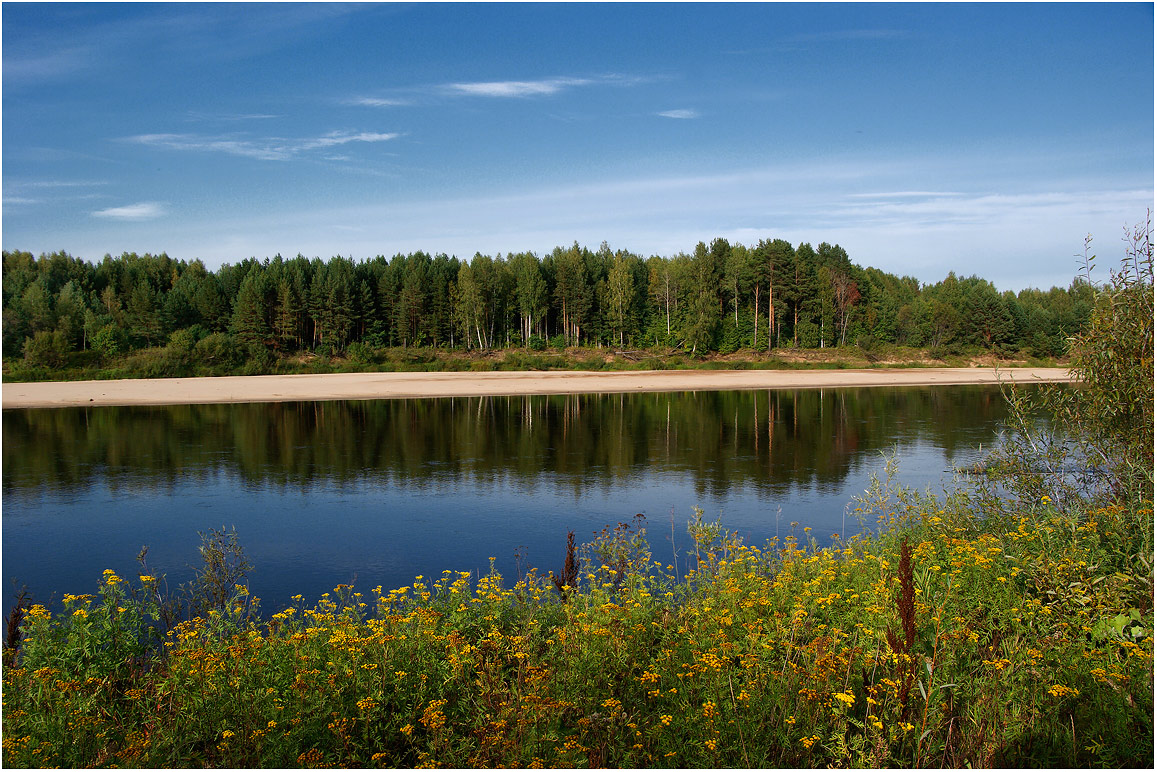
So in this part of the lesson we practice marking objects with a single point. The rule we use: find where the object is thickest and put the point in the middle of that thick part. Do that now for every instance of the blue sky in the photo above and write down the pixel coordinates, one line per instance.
(984, 139)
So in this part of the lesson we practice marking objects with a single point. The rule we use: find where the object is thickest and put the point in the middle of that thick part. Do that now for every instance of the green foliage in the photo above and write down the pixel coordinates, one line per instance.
(724, 298)
(46, 349)
(223, 567)
(1113, 356)
(108, 341)
(360, 353)
(217, 350)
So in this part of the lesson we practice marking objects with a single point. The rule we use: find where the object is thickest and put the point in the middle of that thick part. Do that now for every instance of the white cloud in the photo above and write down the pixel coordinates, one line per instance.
(146, 210)
(194, 115)
(515, 88)
(904, 194)
(65, 183)
(345, 137)
(377, 102)
(682, 114)
(264, 150)
(267, 149)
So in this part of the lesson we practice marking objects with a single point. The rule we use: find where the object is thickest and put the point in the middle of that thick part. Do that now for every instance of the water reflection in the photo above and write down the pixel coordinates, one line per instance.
(322, 492)
(772, 440)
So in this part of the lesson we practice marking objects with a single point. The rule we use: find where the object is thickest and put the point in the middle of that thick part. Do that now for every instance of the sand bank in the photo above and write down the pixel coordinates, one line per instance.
(283, 388)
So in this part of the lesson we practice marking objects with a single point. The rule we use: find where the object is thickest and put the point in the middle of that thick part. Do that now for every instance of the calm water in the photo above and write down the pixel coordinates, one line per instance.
(323, 493)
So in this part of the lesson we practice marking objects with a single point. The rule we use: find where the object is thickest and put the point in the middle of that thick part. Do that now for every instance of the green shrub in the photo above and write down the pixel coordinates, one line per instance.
(46, 349)
(360, 353)
(217, 350)
(109, 341)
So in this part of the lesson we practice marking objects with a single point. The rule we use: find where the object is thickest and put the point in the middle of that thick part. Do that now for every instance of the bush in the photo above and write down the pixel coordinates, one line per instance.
(46, 349)
(217, 351)
(258, 360)
(360, 353)
(181, 343)
(536, 343)
(109, 341)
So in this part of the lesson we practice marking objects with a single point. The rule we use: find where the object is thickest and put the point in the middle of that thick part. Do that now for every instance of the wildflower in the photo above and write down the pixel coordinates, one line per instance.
(227, 734)
(148, 579)
(844, 697)
(666, 719)
(710, 744)
(1060, 690)
(110, 577)
(407, 730)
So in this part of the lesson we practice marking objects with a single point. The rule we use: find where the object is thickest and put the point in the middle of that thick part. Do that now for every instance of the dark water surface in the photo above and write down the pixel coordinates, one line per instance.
(322, 493)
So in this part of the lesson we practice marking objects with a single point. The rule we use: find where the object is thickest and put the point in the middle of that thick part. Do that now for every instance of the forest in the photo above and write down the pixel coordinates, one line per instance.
(721, 298)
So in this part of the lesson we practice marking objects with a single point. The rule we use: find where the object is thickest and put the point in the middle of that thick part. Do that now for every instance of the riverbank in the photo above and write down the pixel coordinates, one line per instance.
(331, 386)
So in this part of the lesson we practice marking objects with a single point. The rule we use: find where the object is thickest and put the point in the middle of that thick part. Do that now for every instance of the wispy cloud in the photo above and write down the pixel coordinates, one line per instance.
(376, 102)
(65, 183)
(265, 149)
(146, 210)
(905, 194)
(37, 66)
(515, 88)
(345, 137)
(680, 114)
(29, 192)
(77, 47)
(194, 115)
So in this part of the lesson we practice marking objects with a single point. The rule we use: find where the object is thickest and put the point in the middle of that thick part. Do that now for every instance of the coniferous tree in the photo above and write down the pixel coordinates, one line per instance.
(250, 323)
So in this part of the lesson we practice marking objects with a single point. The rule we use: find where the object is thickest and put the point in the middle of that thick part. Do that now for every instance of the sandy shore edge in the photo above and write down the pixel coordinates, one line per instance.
(285, 388)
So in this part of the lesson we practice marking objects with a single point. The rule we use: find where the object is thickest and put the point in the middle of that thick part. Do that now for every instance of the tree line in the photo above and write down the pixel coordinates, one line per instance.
(720, 298)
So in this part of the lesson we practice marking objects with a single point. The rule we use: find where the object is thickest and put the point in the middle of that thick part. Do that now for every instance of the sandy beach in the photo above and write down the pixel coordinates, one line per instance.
(284, 388)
